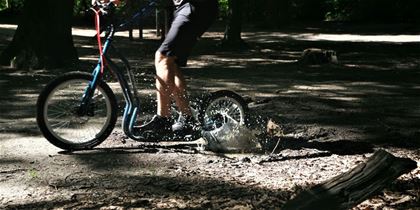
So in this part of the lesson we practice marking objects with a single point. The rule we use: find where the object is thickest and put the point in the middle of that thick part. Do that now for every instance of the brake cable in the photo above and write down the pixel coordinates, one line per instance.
(98, 37)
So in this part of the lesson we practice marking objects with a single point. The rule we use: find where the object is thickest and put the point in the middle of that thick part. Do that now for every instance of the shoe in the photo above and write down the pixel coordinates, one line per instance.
(187, 129)
(158, 127)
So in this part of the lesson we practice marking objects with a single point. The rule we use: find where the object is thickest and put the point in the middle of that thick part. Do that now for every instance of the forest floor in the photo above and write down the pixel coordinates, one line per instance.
(332, 117)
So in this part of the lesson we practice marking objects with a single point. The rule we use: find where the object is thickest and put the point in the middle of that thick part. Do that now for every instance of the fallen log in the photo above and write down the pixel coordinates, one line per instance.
(353, 187)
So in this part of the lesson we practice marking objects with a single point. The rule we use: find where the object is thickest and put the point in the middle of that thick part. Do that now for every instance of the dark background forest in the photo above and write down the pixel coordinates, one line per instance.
(274, 13)
(51, 44)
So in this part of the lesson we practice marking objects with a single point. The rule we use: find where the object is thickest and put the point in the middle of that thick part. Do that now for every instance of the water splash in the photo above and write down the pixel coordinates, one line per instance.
(231, 137)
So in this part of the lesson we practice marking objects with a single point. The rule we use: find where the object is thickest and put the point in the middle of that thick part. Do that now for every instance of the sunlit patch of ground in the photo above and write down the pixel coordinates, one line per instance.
(333, 37)
(8, 26)
(90, 32)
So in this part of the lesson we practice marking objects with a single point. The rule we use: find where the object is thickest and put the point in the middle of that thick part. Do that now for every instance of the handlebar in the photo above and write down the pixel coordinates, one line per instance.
(107, 10)
(103, 8)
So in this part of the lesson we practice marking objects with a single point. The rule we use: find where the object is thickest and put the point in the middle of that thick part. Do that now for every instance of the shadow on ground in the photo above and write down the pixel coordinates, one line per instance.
(160, 192)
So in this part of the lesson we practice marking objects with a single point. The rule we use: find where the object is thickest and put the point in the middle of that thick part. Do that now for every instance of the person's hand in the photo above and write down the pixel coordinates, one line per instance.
(116, 2)
(105, 7)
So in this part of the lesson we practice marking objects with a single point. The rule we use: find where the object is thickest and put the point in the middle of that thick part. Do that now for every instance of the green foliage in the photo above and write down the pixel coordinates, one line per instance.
(11, 4)
(372, 10)
(223, 4)
(339, 9)
(3, 5)
(80, 6)
(276, 12)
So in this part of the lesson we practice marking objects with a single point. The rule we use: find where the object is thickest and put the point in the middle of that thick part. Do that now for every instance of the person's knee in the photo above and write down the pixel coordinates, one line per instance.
(166, 71)
(159, 57)
(164, 87)
(163, 62)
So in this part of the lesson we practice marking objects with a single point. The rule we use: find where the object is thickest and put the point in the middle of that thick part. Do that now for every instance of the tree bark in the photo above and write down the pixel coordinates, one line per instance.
(43, 38)
(232, 37)
(353, 187)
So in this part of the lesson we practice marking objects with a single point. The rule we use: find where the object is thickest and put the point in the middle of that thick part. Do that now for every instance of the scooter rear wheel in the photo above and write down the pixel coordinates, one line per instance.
(223, 107)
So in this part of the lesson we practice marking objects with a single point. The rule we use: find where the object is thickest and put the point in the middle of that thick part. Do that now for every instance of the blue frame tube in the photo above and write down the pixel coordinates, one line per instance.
(129, 90)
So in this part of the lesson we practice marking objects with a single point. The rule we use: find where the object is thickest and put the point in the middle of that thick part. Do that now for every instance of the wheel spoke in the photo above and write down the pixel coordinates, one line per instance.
(60, 125)
(57, 115)
(232, 119)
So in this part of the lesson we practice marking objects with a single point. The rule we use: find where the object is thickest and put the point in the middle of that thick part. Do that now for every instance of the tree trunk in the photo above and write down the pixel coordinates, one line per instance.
(355, 186)
(43, 38)
(232, 38)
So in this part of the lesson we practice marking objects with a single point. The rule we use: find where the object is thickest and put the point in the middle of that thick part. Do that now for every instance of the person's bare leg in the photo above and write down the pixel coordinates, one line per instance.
(165, 70)
(170, 82)
(180, 93)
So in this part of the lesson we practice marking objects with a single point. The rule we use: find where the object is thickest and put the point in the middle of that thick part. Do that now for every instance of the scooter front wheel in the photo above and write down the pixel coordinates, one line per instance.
(60, 120)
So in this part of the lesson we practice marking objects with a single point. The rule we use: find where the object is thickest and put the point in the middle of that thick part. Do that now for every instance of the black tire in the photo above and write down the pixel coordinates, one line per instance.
(215, 106)
(57, 118)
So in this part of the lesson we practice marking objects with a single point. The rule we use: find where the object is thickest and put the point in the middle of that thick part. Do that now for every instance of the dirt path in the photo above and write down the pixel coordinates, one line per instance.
(334, 117)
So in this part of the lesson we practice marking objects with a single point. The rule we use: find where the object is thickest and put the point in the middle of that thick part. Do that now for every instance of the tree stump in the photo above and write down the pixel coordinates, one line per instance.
(353, 187)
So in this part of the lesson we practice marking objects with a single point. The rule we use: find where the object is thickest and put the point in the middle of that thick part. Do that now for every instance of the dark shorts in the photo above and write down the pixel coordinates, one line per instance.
(190, 21)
